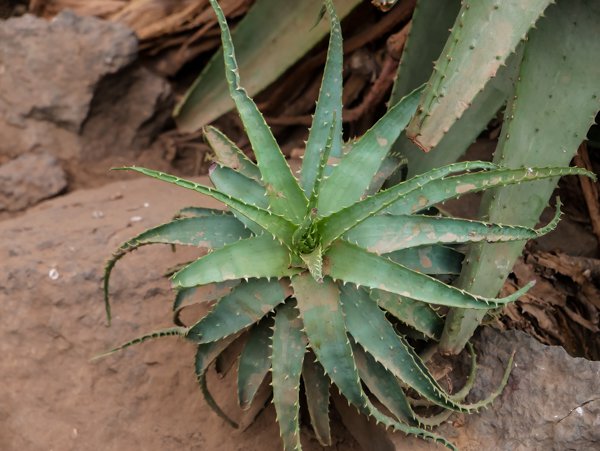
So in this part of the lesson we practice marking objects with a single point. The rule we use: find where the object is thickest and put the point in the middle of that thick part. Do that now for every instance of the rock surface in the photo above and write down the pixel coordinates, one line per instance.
(29, 179)
(551, 402)
(71, 84)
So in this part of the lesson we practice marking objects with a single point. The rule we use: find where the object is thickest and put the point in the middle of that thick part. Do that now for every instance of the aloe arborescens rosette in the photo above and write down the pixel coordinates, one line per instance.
(317, 274)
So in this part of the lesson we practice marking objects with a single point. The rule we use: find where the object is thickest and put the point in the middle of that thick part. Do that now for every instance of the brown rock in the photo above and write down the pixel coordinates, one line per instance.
(551, 402)
(29, 179)
(71, 85)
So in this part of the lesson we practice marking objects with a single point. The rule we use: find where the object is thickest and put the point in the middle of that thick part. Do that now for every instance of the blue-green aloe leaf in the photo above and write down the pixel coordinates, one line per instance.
(168, 332)
(370, 328)
(186, 297)
(328, 112)
(239, 186)
(242, 188)
(205, 355)
(418, 315)
(255, 362)
(433, 260)
(351, 178)
(276, 225)
(285, 195)
(472, 56)
(554, 103)
(384, 385)
(443, 189)
(208, 232)
(347, 262)
(429, 31)
(389, 233)
(316, 387)
(199, 212)
(289, 347)
(245, 305)
(255, 257)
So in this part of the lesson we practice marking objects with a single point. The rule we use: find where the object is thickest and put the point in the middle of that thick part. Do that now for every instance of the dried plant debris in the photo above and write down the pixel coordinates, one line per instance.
(178, 30)
(563, 308)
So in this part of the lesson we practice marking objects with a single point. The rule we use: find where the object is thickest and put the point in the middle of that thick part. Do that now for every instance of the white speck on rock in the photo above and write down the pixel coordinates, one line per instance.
(53, 274)
(579, 411)
(136, 218)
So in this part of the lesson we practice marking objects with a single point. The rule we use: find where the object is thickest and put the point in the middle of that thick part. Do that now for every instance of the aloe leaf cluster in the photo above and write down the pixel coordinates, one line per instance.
(318, 274)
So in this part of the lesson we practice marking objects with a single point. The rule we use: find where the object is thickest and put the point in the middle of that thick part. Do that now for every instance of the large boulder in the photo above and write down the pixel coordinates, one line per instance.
(72, 86)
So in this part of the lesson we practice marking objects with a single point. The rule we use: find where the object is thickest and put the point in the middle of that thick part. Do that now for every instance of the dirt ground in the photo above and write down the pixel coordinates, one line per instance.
(52, 397)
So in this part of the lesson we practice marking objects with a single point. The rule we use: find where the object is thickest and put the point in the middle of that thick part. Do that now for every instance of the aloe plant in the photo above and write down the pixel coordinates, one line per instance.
(552, 99)
(318, 273)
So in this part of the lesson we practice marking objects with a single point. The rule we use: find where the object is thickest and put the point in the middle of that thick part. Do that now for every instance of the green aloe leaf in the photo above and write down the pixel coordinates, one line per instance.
(168, 332)
(209, 232)
(351, 178)
(229, 357)
(429, 31)
(366, 322)
(416, 314)
(205, 355)
(255, 362)
(230, 155)
(465, 130)
(444, 189)
(256, 257)
(238, 186)
(285, 195)
(328, 112)
(245, 305)
(324, 325)
(384, 385)
(335, 225)
(388, 233)
(186, 297)
(289, 346)
(290, 35)
(199, 212)
(276, 225)
(314, 263)
(321, 313)
(349, 263)
(434, 260)
(472, 56)
(325, 155)
(316, 387)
